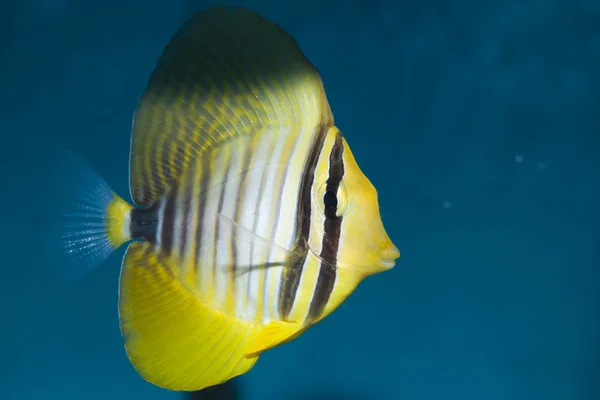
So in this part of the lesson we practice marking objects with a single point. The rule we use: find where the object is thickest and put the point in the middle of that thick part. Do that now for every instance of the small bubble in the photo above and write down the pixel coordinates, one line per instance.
(493, 178)
(519, 159)
(542, 166)
(447, 205)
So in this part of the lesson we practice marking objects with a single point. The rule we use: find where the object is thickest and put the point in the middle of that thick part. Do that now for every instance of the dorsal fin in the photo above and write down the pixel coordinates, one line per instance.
(227, 72)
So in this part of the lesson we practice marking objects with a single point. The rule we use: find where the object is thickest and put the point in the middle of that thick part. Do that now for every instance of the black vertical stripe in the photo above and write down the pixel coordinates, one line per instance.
(148, 175)
(143, 223)
(187, 206)
(219, 210)
(187, 211)
(290, 279)
(204, 181)
(332, 229)
(239, 203)
(276, 218)
(170, 205)
(257, 215)
(168, 221)
(164, 158)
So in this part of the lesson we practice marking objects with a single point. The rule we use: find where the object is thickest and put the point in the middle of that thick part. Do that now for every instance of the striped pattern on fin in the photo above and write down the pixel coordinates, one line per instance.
(225, 74)
(172, 339)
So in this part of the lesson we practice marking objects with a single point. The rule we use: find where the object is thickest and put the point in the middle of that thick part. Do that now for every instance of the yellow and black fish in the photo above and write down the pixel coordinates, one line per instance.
(252, 219)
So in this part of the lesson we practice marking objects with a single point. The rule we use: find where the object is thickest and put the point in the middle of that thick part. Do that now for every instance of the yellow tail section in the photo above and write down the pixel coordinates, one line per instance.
(117, 221)
(172, 339)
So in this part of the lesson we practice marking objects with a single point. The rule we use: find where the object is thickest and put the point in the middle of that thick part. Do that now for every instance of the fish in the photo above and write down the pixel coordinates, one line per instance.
(250, 219)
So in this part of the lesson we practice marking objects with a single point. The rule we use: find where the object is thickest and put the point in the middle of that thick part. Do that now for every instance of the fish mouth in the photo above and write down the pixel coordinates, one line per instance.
(388, 262)
(389, 257)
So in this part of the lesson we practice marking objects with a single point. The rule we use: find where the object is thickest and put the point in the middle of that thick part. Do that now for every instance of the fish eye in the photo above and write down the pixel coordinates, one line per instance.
(330, 200)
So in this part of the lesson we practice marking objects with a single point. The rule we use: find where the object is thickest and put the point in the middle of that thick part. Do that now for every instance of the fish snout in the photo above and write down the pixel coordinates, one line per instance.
(388, 256)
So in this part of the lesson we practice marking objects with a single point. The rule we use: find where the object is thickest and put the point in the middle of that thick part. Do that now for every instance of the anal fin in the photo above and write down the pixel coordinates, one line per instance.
(171, 337)
(274, 334)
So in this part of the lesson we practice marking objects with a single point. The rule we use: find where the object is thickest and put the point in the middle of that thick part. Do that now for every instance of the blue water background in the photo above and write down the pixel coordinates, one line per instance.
(478, 122)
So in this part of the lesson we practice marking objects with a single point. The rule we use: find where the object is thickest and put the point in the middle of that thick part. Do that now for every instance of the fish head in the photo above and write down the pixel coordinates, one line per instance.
(351, 233)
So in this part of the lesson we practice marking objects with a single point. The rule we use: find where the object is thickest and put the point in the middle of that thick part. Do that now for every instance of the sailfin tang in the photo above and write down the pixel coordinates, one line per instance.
(87, 221)
(173, 339)
(227, 73)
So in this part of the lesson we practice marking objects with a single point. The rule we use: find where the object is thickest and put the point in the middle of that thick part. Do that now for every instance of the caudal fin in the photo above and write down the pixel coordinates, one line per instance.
(86, 220)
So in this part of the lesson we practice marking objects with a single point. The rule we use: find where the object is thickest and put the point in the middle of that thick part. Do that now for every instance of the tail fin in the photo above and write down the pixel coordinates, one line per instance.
(88, 221)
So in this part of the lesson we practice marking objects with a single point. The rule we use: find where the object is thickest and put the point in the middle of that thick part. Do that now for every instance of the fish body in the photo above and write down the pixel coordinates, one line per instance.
(252, 220)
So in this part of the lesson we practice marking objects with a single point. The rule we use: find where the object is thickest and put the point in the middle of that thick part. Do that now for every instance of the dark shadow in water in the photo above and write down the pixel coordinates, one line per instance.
(227, 391)
(231, 391)
(329, 395)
